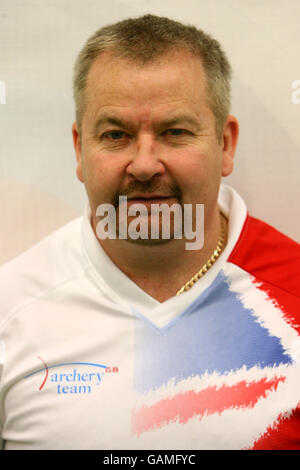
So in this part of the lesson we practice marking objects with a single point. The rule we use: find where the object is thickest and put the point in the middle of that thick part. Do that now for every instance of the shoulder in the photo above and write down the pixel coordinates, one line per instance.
(49, 263)
(269, 255)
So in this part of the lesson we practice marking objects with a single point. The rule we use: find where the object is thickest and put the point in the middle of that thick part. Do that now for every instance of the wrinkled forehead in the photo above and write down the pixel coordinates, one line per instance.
(117, 81)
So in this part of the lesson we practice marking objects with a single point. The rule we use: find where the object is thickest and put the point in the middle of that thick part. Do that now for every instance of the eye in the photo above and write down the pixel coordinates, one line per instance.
(114, 135)
(176, 131)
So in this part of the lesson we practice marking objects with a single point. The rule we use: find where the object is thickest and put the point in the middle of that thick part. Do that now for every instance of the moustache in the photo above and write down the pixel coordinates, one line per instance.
(148, 187)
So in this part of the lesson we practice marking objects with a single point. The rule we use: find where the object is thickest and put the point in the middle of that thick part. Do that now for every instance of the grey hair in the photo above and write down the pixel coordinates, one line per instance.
(144, 40)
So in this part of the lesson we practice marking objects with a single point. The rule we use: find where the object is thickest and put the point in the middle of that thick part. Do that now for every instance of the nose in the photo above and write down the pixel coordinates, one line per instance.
(145, 162)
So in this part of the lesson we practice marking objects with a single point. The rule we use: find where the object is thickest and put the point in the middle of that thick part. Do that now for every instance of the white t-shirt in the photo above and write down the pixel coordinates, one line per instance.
(88, 360)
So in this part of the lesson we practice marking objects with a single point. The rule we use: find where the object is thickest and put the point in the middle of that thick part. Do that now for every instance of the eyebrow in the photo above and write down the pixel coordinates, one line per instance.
(108, 120)
(182, 118)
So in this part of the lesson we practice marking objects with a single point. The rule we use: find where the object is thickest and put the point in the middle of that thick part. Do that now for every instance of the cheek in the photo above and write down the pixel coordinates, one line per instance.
(103, 174)
(198, 172)
(190, 166)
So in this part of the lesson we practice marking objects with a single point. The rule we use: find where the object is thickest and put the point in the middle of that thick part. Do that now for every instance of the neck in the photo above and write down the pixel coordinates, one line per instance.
(161, 270)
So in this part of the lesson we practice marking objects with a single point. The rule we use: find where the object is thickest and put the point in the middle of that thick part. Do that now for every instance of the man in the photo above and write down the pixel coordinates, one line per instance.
(125, 342)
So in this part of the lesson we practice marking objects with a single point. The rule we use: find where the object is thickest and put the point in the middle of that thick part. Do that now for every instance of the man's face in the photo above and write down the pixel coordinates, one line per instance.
(149, 134)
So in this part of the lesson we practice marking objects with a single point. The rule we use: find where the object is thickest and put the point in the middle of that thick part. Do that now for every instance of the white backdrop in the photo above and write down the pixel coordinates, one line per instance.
(39, 40)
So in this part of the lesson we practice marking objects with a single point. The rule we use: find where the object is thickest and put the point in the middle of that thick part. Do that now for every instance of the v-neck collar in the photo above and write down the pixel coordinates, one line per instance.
(115, 284)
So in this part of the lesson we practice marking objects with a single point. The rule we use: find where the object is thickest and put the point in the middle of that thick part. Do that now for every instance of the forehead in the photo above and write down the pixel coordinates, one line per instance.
(176, 79)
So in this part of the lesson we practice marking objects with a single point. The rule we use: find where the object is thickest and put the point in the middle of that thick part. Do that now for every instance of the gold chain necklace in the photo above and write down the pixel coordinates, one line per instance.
(209, 263)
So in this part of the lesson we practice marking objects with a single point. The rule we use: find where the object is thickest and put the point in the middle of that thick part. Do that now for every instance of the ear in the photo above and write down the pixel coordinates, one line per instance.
(229, 143)
(77, 147)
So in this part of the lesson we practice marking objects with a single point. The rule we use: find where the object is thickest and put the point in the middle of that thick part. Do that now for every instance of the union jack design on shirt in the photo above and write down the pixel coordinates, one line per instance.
(230, 361)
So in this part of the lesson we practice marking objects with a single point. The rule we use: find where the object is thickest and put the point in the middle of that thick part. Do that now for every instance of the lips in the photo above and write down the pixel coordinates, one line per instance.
(149, 196)
(155, 199)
